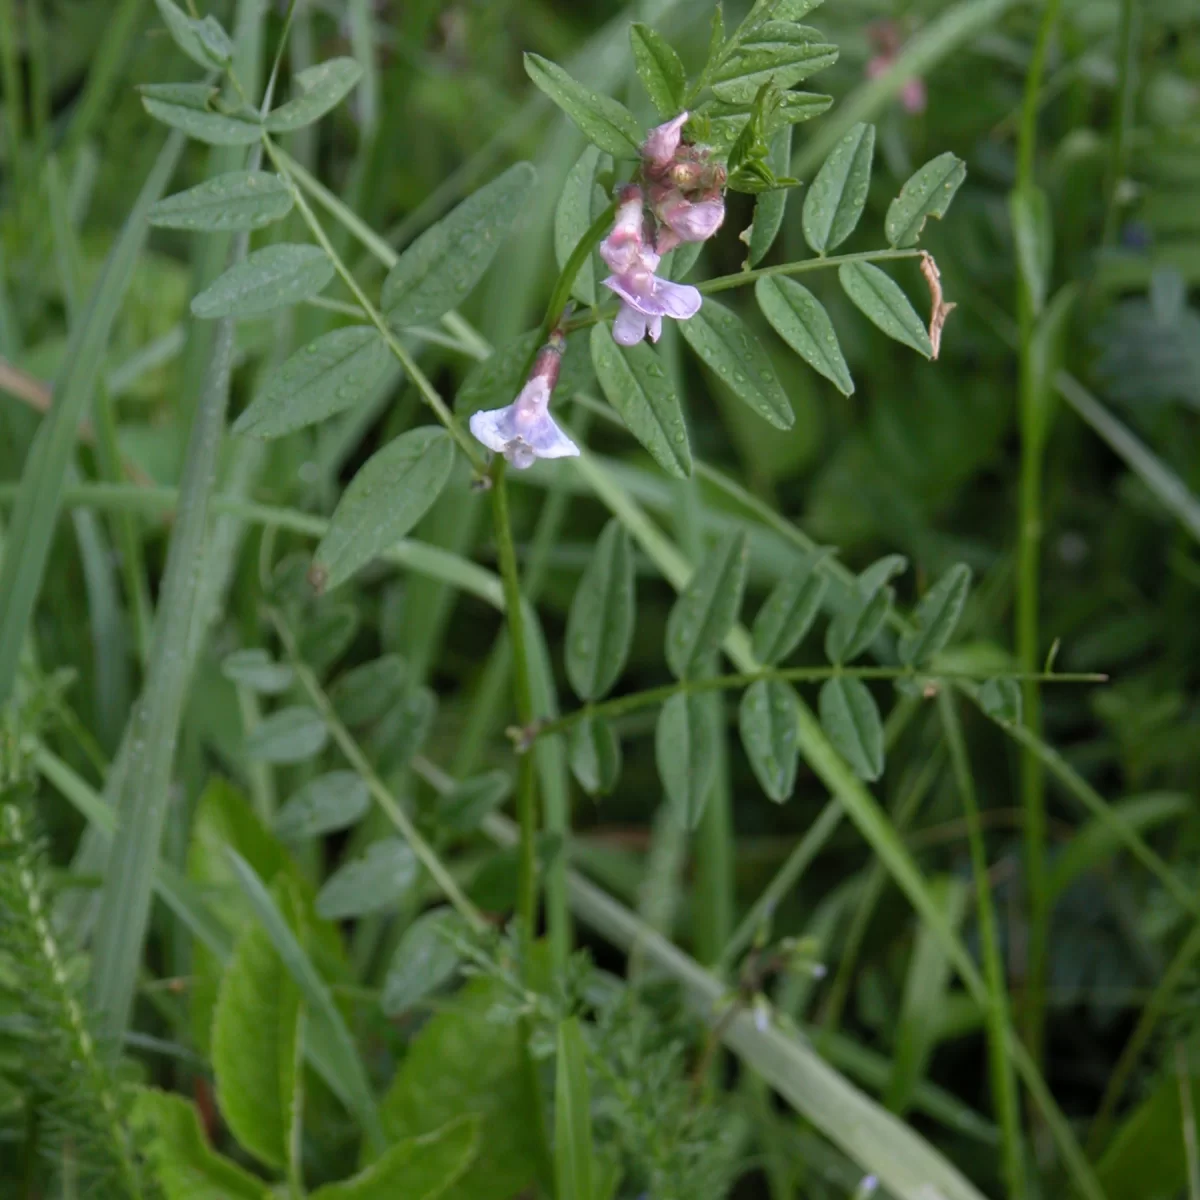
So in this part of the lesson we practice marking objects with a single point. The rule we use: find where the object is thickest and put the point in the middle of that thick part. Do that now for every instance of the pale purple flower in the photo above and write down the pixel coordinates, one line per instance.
(662, 143)
(690, 221)
(622, 249)
(646, 299)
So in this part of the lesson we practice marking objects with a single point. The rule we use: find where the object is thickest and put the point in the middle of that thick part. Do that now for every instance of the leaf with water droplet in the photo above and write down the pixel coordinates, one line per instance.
(705, 611)
(881, 300)
(837, 195)
(685, 755)
(659, 69)
(604, 121)
(777, 50)
(580, 204)
(769, 207)
(187, 107)
(236, 200)
(936, 616)
(801, 320)
(928, 193)
(767, 720)
(318, 89)
(851, 720)
(269, 279)
(600, 623)
(204, 41)
(788, 612)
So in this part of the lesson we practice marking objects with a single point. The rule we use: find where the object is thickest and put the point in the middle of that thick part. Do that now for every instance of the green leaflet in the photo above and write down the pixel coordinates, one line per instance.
(880, 299)
(574, 1153)
(720, 337)
(391, 492)
(767, 719)
(838, 194)
(936, 616)
(789, 611)
(861, 617)
(928, 193)
(603, 120)
(1001, 699)
(801, 320)
(400, 734)
(440, 269)
(851, 721)
(580, 204)
(268, 279)
(705, 611)
(205, 42)
(321, 88)
(425, 959)
(188, 108)
(376, 881)
(637, 386)
(686, 756)
(367, 692)
(238, 200)
(595, 755)
(465, 808)
(288, 736)
(323, 805)
(777, 50)
(659, 69)
(256, 670)
(333, 373)
(769, 207)
(600, 623)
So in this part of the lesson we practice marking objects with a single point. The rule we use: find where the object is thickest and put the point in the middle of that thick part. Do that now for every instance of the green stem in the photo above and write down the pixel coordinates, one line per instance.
(1029, 541)
(1127, 42)
(1003, 1077)
(574, 264)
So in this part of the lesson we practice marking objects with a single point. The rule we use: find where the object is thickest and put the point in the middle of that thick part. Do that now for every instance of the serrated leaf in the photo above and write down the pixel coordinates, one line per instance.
(256, 670)
(574, 1150)
(441, 268)
(881, 301)
(425, 959)
(287, 736)
(595, 755)
(767, 720)
(928, 193)
(838, 194)
(319, 89)
(1033, 240)
(770, 206)
(378, 880)
(722, 340)
(1002, 701)
(186, 107)
(801, 320)
(465, 808)
(420, 1168)
(257, 1047)
(636, 385)
(778, 50)
(659, 69)
(936, 616)
(685, 755)
(323, 805)
(600, 623)
(333, 373)
(601, 119)
(400, 734)
(237, 200)
(788, 612)
(706, 610)
(205, 42)
(268, 279)
(392, 491)
(851, 720)
(579, 205)
(367, 692)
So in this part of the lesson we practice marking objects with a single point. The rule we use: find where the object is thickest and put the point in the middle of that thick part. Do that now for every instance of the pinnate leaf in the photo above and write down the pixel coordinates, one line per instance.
(778, 50)
(928, 193)
(880, 299)
(801, 320)
(767, 719)
(685, 754)
(600, 623)
(705, 611)
(288, 736)
(425, 959)
(236, 200)
(936, 616)
(268, 279)
(368, 884)
(659, 69)
(188, 108)
(595, 755)
(391, 492)
(838, 194)
(851, 720)
(320, 88)
(323, 805)
(788, 612)
(602, 120)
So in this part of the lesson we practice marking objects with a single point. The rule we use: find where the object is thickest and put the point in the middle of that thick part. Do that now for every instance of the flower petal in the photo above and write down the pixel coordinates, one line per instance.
(495, 427)
(546, 440)
(630, 326)
(678, 300)
(663, 141)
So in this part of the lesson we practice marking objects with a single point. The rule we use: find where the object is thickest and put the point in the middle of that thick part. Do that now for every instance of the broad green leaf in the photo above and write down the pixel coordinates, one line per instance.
(441, 268)
(580, 204)
(256, 670)
(182, 1161)
(400, 734)
(574, 1151)
(205, 42)
(685, 756)
(602, 120)
(426, 958)
(288, 736)
(837, 196)
(418, 1168)
(376, 881)
(851, 721)
(257, 1046)
(720, 337)
(463, 1062)
(880, 299)
(767, 720)
(936, 616)
(392, 491)
(1001, 700)
(188, 108)
(788, 612)
(600, 623)
(367, 692)
(770, 206)
(595, 755)
(1033, 239)
(472, 800)
(637, 386)
(659, 69)
(320, 89)
(333, 373)
(801, 320)
(927, 193)
(268, 279)
(237, 200)
(778, 50)
(323, 805)
(705, 611)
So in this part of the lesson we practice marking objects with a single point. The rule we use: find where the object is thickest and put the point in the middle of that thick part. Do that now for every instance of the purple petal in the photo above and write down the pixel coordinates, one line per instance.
(655, 330)
(630, 326)
(695, 222)
(495, 428)
(663, 141)
(546, 440)
(678, 300)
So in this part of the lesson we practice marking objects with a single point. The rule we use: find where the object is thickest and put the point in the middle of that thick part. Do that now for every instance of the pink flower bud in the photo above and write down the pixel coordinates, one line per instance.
(691, 222)
(662, 143)
(623, 247)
